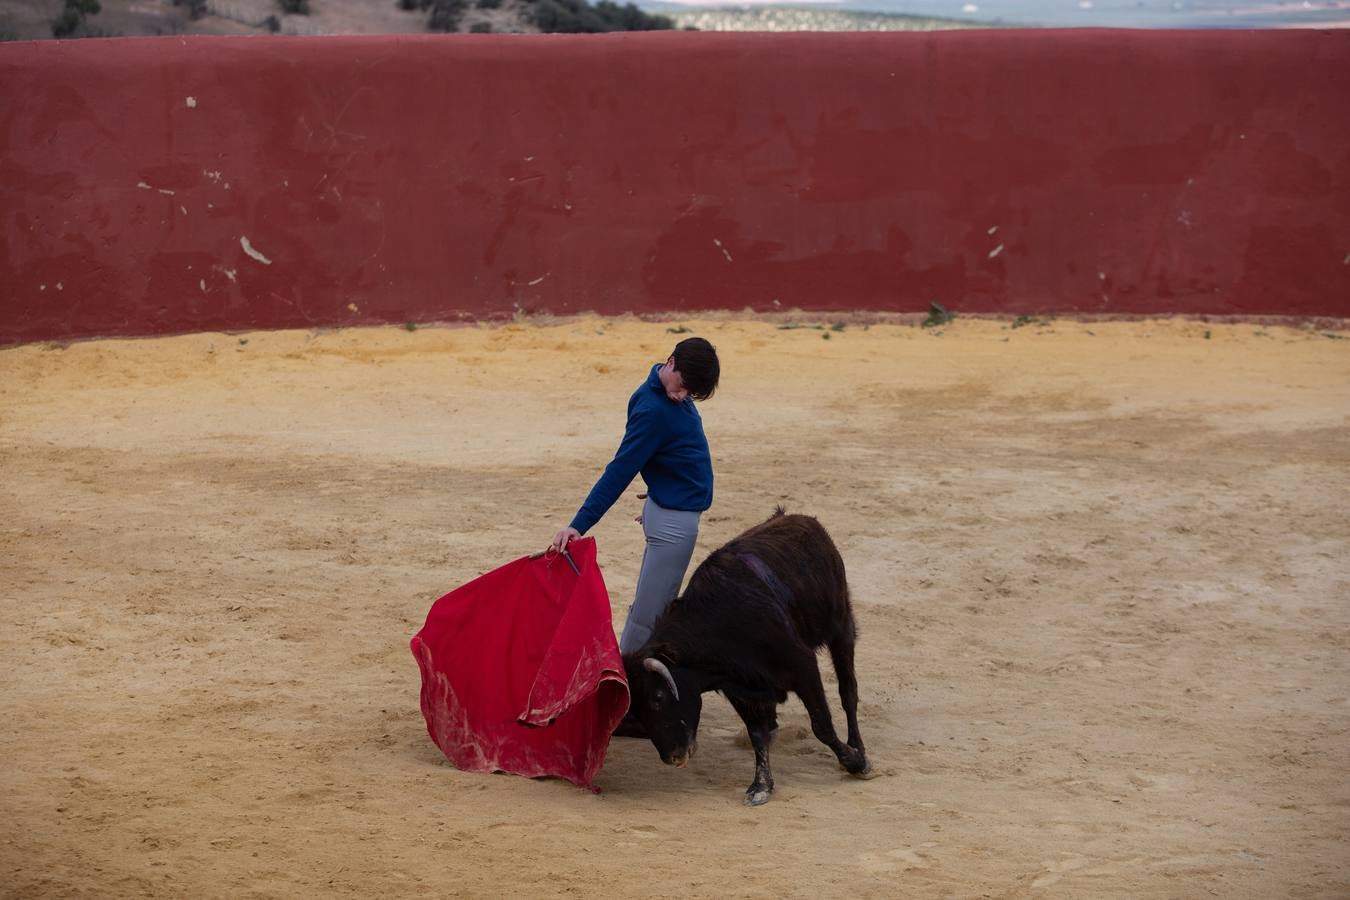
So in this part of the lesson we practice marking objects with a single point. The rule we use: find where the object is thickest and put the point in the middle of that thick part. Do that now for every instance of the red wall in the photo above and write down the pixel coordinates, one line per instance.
(433, 178)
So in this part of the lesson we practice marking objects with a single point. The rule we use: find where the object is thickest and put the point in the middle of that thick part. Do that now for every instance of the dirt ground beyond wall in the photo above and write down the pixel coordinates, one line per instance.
(1100, 571)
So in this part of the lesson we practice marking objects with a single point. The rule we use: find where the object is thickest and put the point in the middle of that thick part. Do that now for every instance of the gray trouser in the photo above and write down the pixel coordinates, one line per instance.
(670, 537)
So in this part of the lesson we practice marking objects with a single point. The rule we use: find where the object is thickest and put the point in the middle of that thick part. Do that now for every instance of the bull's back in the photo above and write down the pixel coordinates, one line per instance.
(805, 573)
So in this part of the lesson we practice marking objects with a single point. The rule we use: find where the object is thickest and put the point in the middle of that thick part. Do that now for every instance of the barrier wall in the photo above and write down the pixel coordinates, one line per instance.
(181, 184)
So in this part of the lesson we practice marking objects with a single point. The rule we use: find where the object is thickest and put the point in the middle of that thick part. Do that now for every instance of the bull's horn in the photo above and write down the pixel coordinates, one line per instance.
(652, 664)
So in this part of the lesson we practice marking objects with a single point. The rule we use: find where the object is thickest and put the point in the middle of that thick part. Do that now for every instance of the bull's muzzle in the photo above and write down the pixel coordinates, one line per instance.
(680, 759)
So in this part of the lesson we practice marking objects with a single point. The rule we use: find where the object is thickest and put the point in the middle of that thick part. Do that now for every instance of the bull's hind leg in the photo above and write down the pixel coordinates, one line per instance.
(841, 653)
(812, 693)
(761, 720)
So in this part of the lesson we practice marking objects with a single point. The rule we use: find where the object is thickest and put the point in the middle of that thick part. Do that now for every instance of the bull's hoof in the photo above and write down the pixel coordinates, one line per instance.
(757, 795)
(856, 764)
(866, 773)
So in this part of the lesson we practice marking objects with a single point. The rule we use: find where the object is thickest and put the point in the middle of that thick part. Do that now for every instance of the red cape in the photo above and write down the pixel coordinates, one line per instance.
(521, 672)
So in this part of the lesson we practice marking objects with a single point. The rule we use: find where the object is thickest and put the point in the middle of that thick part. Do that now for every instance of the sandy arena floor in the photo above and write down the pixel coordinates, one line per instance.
(1100, 571)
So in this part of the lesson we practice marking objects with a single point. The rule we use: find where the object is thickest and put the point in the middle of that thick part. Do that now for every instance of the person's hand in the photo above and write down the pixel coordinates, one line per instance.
(562, 537)
(638, 517)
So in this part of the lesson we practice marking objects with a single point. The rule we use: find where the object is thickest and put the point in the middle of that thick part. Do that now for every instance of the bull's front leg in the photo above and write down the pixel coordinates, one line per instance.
(761, 789)
(760, 721)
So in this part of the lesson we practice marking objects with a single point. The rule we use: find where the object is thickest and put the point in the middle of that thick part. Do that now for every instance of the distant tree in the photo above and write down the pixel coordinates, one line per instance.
(66, 23)
(196, 8)
(578, 16)
(294, 7)
(488, 4)
(445, 14)
(480, 28)
(72, 16)
(629, 18)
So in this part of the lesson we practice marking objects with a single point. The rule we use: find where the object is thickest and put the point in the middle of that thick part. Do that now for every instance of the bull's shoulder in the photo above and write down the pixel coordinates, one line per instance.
(783, 526)
(782, 531)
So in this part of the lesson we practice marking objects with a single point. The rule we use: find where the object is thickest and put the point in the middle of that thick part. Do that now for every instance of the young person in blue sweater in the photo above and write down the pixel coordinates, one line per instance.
(664, 442)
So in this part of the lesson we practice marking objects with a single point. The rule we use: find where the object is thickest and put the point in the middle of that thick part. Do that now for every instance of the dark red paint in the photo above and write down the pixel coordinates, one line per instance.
(445, 177)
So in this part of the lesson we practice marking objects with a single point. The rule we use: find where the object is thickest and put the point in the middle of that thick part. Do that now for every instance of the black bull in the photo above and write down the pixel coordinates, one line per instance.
(749, 625)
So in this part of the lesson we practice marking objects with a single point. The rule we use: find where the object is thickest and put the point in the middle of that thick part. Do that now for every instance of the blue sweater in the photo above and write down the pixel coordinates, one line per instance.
(664, 441)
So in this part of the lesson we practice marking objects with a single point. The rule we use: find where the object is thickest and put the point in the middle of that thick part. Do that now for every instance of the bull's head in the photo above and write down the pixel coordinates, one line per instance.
(668, 704)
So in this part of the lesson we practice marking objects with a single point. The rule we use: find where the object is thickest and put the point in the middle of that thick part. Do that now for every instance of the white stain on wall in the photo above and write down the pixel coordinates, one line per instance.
(248, 248)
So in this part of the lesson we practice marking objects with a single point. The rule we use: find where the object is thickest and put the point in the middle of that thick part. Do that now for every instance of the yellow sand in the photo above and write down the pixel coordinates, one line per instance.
(1100, 571)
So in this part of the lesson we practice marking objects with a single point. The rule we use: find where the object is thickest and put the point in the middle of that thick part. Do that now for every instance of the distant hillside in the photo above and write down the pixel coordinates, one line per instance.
(33, 19)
